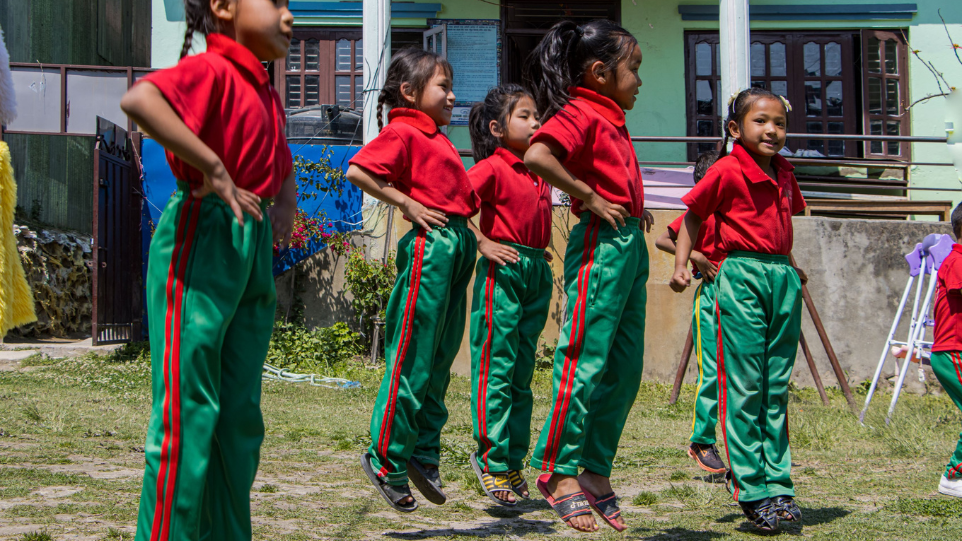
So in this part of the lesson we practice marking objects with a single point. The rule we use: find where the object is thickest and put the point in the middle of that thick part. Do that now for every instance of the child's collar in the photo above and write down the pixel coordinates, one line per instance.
(509, 157)
(752, 171)
(240, 56)
(413, 117)
(605, 106)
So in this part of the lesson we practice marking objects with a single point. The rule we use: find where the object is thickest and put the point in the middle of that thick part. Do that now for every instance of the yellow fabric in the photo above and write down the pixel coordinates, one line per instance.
(16, 299)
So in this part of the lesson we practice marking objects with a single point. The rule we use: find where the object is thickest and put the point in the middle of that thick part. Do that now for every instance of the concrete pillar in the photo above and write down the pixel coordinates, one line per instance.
(376, 26)
(734, 41)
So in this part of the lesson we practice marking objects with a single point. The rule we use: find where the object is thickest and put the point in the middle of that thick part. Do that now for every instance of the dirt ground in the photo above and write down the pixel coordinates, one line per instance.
(71, 459)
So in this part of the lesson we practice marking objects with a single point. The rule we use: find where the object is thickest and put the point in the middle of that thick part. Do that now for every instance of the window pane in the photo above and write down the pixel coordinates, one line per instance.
(312, 90)
(358, 55)
(293, 85)
(760, 84)
(780, 88)
(874, 57)
(358, 92)
(294, 56)
(875, 128)
(342, 86)
(312, 55)
(892, 147)
(813, 59)
(814, 127)
(703, 97)
(892, 97)
(836, 148)
(343, 55)
(875, 96)
(703, 128)
(833, 59)
(721, 102)
(833, 98)
(813, 98)
(817, 145)
(702, 59)
(758, 59)
(891, 57)
(779, 66)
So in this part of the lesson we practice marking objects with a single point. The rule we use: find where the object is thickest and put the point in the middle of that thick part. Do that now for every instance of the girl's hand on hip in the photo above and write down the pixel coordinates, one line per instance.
(239, 200)
(421, 215)
(649, 220)
(707, 268)
(608, 211)
(497, 252)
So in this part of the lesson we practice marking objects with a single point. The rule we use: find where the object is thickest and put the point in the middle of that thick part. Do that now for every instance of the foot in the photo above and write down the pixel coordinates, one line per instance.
(518, 483)
(786, 509)
(707, 457)
(504, 495)
(597, 485)
(761, 513)
(951, 487)
(562, 485)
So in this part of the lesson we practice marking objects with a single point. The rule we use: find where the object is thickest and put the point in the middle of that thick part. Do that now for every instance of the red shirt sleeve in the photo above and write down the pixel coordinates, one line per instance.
(675, 225)
(953, 277)
(191, 87)
(566, 130)
(798, 202)
(386, 156)
(705, 198)
(482, 180)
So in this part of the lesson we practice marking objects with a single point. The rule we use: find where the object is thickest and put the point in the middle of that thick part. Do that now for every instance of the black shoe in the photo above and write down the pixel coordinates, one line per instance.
(707, 457)
(761, 513)
(786, 509)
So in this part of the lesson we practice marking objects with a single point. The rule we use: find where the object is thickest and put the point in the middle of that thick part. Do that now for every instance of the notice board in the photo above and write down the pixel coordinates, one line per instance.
(474, 51)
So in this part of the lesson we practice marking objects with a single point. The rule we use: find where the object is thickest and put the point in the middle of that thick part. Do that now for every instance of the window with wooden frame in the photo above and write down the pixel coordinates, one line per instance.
(323, 67)
(884, 67)
(813, 71)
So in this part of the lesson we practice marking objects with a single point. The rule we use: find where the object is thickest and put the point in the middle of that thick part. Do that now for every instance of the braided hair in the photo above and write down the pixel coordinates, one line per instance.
(199, 19)
(741, 105)
(566, 52)
(497, 106)
(413, 66)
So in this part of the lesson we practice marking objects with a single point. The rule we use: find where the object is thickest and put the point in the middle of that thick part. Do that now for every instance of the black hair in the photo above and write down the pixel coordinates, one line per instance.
(957, 221)
(498, 106)
(741, 105)
(704, 161)
(413, 66)
(566, 51)
(199, 19)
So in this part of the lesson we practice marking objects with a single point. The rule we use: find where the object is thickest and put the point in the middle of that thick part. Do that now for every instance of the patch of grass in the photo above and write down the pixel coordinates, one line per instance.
(645, 498)
(269, 488)
(114, 533)
(679, 475)
(939, 507)
(36, 536)
(31, 412)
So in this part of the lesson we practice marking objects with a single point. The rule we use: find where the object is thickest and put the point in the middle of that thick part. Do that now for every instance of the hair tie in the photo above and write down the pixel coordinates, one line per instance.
(731, 99)
(788, 106)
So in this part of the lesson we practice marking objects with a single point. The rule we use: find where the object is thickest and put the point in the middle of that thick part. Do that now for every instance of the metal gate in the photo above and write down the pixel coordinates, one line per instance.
(117, 281)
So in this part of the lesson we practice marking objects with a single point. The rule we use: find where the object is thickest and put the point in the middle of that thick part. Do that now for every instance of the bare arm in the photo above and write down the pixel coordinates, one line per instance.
(382, 190)
(146, 105)
(282, 211)
(686, 235)
(666, 242)
(542, 159)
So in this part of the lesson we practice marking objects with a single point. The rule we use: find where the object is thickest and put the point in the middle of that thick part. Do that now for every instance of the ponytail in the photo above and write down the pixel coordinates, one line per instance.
(413, 66)
(199, 18)
(565, 53)
(497, 106)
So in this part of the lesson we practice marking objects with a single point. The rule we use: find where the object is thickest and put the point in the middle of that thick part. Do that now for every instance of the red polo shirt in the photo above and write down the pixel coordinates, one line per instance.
(705, 243)
(754, 213)
(596, 148)
(948, 303)
(224, 96)
(413, 155)
(515, 203)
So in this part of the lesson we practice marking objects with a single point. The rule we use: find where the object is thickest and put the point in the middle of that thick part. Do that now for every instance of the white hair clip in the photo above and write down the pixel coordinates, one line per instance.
(788, 106)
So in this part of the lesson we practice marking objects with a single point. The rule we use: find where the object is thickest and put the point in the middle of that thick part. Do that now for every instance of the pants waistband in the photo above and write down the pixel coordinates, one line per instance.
(758, 256)
(453, 221)
(214, 198)
(630, 222)
(534, 253)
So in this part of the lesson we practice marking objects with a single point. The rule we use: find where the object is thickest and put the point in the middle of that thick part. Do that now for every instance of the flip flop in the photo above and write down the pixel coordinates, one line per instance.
(427, 480)
(607, 507)
(392, 494)
(518, 483)
(492, 482)
(568, 506)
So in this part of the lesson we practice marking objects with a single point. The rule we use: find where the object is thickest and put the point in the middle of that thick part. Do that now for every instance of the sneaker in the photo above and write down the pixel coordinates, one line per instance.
(761, 513)
(951, 487)
(707, 458)
(786, 509)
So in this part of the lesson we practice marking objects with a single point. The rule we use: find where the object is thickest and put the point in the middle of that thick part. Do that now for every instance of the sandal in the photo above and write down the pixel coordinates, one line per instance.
(762, 514)
(568, 506)
(492, 482)
(607, 507)
(786, 509)
(391, 493)
(428, 481)
(518, 483)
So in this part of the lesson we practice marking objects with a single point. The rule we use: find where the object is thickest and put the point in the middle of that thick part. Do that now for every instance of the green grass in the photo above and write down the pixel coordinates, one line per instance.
(71, 456)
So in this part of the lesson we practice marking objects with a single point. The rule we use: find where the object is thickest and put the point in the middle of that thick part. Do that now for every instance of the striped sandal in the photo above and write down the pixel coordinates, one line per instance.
(518, 484)
(607, 507)
(492, 482)
(568, 506)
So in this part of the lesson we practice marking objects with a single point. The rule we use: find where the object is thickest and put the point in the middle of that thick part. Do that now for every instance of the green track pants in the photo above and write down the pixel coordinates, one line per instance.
(947, 366)
(705, 334)
(508, 312)
(425, 323)
(759, 317)
(210, 301)
(600, 355)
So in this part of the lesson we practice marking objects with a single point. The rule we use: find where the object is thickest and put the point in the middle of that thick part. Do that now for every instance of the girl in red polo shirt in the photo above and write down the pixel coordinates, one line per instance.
(586, 77)
(752, 194)
(512, 289)
(414, 167)
(210, 289)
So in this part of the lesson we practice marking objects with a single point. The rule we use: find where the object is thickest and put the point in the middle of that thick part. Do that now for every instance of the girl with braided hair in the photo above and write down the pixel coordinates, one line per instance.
(210, 289)
(413, 166)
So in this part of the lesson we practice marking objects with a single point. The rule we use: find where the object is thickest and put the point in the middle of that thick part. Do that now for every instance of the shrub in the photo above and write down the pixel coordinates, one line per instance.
(317, 351)
(370, 282)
